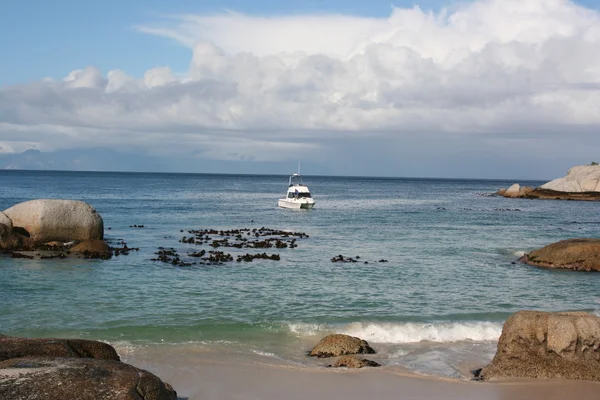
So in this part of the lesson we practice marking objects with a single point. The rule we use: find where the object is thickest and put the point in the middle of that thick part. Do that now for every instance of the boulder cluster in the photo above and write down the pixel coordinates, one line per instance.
(56, 369)
(346, 347)
(49, 228)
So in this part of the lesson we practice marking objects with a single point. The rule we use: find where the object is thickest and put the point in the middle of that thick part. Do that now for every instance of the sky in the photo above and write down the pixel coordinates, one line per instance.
(474, 88)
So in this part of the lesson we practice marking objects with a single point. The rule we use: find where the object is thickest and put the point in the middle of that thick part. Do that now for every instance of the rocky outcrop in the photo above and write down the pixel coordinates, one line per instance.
(339, 345)
(574, 254)
(354, 362)
(548, 194)
(564, 345)
(578, 179)
(55, 369)
(61, 220)
(82, 379)
(515, 191)
(93, 249)
(16, 347)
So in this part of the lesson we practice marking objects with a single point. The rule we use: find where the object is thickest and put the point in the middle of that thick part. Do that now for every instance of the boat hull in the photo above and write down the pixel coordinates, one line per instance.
(295, 204)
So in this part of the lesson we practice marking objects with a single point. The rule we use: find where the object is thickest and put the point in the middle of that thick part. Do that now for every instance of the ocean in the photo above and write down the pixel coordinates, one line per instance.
(435, 274)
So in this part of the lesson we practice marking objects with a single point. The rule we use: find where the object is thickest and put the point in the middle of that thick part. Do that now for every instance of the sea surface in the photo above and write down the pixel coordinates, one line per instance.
(435, 278)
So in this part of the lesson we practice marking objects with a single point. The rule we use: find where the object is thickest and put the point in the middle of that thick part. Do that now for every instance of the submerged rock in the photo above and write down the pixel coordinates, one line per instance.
(46, 220)
(94, 248)
(563, 345)
(354, 362)
(16, 347)
(339, 345)
(82, 379)
(574, 254)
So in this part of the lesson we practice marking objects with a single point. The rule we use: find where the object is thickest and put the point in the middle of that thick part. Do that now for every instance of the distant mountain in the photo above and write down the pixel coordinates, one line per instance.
(112, 160)
(31, 159)
(79, 160)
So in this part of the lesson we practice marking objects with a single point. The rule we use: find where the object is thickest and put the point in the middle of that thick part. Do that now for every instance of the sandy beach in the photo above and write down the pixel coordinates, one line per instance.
(208, 375)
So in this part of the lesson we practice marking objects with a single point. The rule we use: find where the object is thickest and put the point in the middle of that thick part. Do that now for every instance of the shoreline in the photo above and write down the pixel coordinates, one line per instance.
(203, 374)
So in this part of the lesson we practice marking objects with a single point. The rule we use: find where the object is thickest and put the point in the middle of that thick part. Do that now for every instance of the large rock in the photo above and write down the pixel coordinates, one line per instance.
(584, 178)
(564, 345)
(339, 345)
(575, 254)
(513, 191)
(81, 379)
(62, 220)
(16, 347)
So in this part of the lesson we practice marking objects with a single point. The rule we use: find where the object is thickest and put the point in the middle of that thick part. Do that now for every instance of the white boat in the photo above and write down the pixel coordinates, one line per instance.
(298, 195)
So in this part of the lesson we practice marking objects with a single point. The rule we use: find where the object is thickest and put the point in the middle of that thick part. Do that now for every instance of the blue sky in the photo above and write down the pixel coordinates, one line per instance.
(488, 89)
(40, 38)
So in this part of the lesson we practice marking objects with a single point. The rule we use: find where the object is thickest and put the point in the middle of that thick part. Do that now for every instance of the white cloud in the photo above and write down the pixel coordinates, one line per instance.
(266, 88)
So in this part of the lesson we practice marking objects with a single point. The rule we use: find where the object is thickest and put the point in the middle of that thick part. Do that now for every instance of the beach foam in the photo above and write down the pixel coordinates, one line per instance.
(397, 333)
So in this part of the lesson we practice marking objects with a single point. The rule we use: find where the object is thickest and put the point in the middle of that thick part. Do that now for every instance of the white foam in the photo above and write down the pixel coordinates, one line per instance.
(265, 353)
(519, 253)
(301, 329)
(442, 332)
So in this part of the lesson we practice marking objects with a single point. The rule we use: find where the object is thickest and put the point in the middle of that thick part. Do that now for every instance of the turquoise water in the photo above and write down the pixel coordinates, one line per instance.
(449, 283)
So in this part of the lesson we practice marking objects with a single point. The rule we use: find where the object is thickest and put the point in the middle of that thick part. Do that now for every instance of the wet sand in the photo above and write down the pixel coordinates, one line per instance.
(206, 375)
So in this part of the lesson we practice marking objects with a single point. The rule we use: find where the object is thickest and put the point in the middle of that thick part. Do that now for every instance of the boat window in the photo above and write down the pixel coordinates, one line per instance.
(290, 195)
(304, 195)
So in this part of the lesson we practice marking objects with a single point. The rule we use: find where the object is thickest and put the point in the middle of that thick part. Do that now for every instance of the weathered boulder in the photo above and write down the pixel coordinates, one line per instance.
(525, 190)
(563, 345)
(6, 227)
(513, 191)
(16, 347)
(77, 378)
(354, 362)
(584, 178)
(574, 254)
(93, 248)
(339, 345)
(62, 220)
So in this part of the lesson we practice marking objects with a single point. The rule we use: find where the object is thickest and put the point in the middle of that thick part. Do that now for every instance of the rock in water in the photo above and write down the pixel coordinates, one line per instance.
(354, 362)
(79, 378)
(563, 345)
(93, 248)
(513, 191)
(16, 347)
(575, 254)
(339, 345)
(62, 220)
(579, 179)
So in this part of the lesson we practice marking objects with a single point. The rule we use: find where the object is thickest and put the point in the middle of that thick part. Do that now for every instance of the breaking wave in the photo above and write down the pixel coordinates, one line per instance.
(442, 332)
